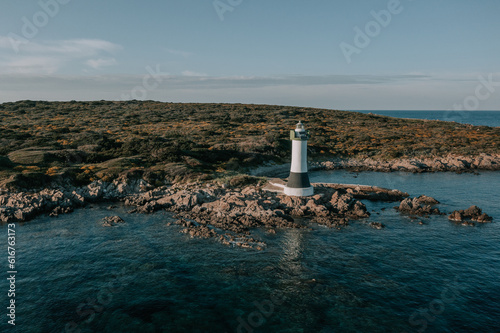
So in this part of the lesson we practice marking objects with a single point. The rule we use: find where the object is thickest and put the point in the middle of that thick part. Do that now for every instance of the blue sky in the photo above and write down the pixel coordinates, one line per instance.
(339, 54)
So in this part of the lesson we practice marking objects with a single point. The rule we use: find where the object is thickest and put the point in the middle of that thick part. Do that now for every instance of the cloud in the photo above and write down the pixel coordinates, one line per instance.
(191, 73)
(356, 92)
(196, 80)
(49, 57)
(98, 63)
(33, 64)
(181, 53)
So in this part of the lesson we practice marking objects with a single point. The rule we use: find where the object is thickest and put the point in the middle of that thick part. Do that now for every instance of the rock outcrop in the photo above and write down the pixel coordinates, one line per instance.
(421, 206)
(473, 213)
(230, 213)
(227, 214)
(23, 206)
(249, 203)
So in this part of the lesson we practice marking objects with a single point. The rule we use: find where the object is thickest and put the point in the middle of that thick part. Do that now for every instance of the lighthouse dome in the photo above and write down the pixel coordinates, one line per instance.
(300, 127)
(300, 132)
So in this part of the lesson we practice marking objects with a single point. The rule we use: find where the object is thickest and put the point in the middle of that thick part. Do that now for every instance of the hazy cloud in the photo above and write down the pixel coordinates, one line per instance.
(98, 63)
(181, 53)
(49, 57)
(192, 73)
(356, 92)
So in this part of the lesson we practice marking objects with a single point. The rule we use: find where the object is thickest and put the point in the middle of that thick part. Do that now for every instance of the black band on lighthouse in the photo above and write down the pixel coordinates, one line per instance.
(298, 180)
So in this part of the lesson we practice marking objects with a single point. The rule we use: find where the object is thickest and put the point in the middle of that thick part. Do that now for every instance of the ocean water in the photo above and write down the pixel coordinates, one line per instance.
(478, 118)
(143, 276)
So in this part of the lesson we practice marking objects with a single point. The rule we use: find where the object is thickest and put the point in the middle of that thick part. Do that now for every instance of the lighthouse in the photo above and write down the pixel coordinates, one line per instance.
(298, 181)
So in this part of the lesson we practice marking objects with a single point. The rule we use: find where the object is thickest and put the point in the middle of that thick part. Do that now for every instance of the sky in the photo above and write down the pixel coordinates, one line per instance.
(335, 54)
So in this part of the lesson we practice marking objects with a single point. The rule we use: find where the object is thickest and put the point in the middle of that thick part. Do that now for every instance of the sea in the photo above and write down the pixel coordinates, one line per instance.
(477, 118)
(415, 275)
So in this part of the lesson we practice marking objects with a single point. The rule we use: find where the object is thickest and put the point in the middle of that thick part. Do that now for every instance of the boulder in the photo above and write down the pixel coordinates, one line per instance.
(482, 218)
(424, 199)
(111, 221)
(473, 213)
(60, 210)
(456, 216)
(377, 225)
(414, 207)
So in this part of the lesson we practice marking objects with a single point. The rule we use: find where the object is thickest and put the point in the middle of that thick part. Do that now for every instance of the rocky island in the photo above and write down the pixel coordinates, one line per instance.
(163, 143)
(204, 163)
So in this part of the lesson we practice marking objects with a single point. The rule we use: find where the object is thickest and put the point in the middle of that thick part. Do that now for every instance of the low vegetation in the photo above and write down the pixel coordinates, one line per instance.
(170, 142)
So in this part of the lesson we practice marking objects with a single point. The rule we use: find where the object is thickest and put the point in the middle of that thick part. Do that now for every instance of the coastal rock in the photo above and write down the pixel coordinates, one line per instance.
(456, 216)
(242, 241)
(210, 209)
(60, 210)
(111, 221)
(23, 206)
(372, 193)
(467, 224)
(424, 199)
(377, 225)
(482, 218)
(331, 222)
(7, 215)
(199, 231)
(414, 207)
(473, 213)
(238, 210)
(345, 204)
(451, 162)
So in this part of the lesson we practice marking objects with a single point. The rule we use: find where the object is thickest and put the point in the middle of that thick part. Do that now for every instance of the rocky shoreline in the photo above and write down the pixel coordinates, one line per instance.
(24, 206)
(451, 163)
(228, 214)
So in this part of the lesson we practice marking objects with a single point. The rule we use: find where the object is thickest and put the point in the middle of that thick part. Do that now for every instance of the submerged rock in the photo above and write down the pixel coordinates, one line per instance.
(60, 210)
(377, 225)
(468, 224)
(111, 221)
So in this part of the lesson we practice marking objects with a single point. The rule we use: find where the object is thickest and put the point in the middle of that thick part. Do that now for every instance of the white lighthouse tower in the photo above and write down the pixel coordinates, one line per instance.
(298, 181)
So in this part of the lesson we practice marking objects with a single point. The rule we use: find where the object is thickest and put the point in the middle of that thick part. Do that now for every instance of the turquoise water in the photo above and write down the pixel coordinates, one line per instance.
(144, 276)
(479, 118)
